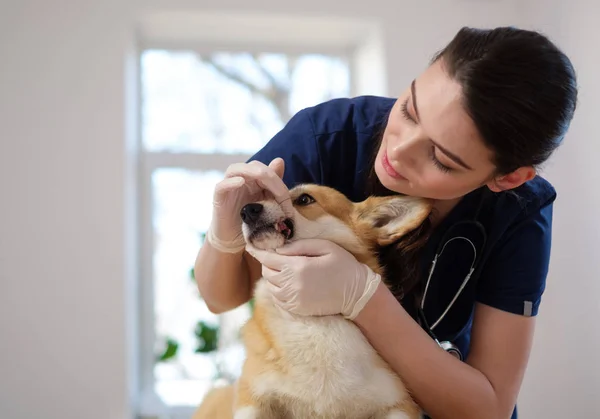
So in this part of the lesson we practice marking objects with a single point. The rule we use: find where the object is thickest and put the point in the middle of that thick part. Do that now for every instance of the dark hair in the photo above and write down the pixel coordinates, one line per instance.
(519, 89)
(402, 262)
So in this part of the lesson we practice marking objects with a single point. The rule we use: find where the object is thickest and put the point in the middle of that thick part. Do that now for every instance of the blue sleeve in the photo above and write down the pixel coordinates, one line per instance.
(296, 145)
(515, 276)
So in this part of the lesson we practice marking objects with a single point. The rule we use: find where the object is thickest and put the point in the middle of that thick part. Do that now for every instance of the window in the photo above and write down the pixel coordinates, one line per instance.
(200, 112)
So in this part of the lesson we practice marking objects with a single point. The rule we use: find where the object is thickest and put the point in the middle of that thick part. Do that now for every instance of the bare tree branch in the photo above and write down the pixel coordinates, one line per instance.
(267, 73)
(236, 78)
(277, 94)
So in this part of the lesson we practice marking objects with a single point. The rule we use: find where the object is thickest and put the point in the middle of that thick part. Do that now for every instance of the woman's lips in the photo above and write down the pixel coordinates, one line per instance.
(389, 169)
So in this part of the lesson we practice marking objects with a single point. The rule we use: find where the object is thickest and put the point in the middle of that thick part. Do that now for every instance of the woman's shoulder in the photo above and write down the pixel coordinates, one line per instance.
(329, 143)
(512, 257)
(518, 254)
(531, 200)
(532, 195)
(500, 212)
(344, 132)
(360, 114)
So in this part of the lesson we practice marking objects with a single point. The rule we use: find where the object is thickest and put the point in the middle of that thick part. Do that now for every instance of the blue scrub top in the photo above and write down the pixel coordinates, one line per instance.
(332, 144)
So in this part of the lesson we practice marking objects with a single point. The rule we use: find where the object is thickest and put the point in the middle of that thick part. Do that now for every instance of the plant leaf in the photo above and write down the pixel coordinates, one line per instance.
(208, 337)
(170, 351)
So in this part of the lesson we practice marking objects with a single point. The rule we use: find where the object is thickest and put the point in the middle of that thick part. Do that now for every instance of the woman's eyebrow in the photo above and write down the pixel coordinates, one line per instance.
(448, 153)
(452, 156)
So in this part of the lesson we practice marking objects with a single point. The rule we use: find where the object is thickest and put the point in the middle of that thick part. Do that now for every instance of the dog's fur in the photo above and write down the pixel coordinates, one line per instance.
(318, 367)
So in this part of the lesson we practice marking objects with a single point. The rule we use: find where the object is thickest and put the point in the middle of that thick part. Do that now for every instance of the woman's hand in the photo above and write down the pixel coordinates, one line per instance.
(244, 183)
(317, 277)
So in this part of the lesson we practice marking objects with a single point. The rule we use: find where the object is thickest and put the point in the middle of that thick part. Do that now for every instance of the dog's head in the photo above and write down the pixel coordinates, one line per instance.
(325, 213)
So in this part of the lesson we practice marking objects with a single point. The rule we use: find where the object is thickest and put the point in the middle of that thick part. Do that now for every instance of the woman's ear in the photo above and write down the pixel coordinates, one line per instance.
(512, 180)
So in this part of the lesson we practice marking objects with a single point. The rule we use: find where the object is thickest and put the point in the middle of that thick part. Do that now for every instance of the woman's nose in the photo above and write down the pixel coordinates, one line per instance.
(406, 148)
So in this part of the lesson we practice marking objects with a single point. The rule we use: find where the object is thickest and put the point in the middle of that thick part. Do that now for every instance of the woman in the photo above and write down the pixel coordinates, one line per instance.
(470, 133)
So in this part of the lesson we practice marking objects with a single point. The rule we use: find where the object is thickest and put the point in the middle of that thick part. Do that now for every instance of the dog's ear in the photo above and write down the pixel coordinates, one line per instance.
(393, 217)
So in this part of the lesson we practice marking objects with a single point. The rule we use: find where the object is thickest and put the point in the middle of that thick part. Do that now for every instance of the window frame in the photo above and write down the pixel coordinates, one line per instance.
(149, 403)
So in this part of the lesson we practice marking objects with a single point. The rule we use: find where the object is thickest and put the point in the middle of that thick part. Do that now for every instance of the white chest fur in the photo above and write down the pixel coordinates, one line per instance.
(331, 369)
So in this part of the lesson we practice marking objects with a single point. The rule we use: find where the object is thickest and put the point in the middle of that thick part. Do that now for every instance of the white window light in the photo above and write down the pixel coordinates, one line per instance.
(213, 90)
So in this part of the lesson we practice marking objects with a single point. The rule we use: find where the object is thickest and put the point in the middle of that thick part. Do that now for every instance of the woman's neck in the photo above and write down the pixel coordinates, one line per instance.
(441, 209)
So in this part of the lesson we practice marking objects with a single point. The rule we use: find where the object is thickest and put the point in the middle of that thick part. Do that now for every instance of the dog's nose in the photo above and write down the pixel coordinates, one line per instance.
(251, 213)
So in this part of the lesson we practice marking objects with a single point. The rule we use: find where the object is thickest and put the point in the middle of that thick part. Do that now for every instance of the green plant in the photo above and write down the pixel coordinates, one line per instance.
(208, 337)
(206, 334)
(170, 351)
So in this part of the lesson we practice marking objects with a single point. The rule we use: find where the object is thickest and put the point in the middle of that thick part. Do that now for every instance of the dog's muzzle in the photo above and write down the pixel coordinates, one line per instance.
(259, 220)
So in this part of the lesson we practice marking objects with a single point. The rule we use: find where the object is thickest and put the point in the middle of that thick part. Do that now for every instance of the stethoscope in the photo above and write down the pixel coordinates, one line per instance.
(447, 345)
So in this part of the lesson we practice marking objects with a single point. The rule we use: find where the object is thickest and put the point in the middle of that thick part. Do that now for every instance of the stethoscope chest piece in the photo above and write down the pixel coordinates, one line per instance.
(451, 349)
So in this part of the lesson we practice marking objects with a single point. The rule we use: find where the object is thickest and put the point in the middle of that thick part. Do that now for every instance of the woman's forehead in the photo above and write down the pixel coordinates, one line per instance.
(443, 117)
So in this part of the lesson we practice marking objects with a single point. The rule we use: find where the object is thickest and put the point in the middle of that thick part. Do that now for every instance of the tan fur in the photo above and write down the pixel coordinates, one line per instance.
(320, 367)
(218, 403)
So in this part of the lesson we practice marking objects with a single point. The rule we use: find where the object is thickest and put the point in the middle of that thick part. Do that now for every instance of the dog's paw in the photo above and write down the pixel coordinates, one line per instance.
(246, 412)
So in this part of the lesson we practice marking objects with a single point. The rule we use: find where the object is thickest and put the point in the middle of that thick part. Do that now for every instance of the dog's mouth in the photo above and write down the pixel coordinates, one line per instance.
(273, 234)
(285, 228)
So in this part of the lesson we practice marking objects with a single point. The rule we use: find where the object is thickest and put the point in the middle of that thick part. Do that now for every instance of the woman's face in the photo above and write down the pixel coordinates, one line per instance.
(430, 146)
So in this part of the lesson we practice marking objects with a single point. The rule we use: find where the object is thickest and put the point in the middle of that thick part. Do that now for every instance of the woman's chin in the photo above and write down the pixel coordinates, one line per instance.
(388, 181)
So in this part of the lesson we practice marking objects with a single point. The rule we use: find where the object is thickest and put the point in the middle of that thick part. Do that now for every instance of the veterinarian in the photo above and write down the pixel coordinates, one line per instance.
(469, 132)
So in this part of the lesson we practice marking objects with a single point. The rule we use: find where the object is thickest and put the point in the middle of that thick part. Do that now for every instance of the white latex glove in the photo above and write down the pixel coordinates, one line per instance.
(244, 183)
(317, 277)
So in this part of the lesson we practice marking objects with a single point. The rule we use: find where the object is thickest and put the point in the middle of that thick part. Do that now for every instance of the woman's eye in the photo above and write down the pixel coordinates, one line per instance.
(438, 163)
(405, 113)
(304, 199)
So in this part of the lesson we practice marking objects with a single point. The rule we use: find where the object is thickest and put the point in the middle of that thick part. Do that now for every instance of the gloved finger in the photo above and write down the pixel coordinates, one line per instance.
(279, 295)
(278, 166)
(286, 206)
(227, 185)
(264, 175)
(277, 278)
(307, 247)
(268, 272)
(272, 181)
(268, 258)
(250, 172)
(266, 178)
(281, 304)
(238, 169)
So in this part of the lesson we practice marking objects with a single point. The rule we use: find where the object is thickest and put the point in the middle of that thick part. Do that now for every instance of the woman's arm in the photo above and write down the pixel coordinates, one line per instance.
(225, 273)
(486, 386)
(330, 281)
(225, 280)
(317, 277)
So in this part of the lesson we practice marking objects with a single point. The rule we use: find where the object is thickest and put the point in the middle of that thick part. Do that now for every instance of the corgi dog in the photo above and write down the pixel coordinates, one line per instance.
(318, 367)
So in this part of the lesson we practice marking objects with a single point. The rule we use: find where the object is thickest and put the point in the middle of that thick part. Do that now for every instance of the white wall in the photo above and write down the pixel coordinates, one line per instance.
(564, 374)
(66, 267)
(62, 225)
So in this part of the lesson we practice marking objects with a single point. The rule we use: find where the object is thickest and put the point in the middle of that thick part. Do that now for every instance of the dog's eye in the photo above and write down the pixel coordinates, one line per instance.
(304, 199)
